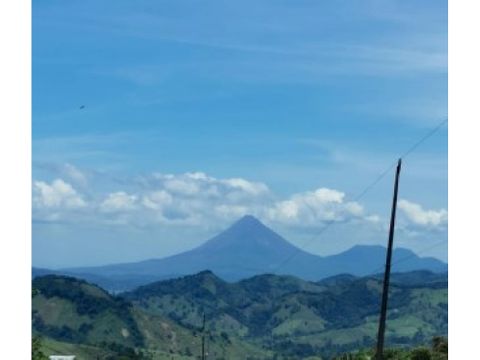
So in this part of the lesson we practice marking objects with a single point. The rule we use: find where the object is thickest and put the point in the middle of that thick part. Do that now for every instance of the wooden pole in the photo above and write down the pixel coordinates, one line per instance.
(386, 278)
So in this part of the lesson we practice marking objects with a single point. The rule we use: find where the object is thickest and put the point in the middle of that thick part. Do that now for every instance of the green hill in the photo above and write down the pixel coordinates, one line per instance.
(72, 310)
(75, 317)
(256, 318)
(299, 318)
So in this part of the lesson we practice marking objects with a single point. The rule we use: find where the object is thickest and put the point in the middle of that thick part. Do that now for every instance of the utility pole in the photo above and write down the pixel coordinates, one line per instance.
(207, 345)
(203, 338)
(386, 278)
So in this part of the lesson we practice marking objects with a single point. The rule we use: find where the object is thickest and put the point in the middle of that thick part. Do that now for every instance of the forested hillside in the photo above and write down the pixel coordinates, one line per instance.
(259, 317)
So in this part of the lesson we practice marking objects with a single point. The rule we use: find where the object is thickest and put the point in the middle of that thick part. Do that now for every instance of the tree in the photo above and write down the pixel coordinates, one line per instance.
(37, 353)
(421, 354)
(440, 344)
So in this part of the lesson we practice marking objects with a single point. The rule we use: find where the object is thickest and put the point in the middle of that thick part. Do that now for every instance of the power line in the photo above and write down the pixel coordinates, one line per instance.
(256, 270)
(420, 252)
(358, 197)
(428, 135)
(362, 193)
(406, 258)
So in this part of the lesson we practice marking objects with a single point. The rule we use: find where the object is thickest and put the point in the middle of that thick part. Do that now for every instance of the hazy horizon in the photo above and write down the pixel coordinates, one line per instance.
(152, 257)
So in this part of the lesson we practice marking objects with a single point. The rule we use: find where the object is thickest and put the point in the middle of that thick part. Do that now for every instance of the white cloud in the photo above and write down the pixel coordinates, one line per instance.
(58, 194)
(75, 174)
(182, 186)
(118, 201)
(157, 200)
(253, 188)
(419, 216)
(196, 199)
(199, 184)
(314, 207)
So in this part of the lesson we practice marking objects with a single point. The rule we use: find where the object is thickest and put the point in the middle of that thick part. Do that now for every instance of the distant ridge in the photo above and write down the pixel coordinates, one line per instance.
(249, 248)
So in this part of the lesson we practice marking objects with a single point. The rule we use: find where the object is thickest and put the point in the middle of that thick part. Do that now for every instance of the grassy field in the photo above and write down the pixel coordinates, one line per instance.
(82, 352)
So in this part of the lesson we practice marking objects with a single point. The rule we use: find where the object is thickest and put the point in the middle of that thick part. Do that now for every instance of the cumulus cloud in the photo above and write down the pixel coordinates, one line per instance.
(58, 194)
(196, 198)
(310, 208)
(200, 184)
(182, 186)
(157, 200)
(251, 188)
(118, 201)
(421, 217)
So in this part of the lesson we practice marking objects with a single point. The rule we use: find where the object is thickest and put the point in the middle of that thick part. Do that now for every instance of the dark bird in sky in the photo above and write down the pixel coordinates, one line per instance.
(82, 107)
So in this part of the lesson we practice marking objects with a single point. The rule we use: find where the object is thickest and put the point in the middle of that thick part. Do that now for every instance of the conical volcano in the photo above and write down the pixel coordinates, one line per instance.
(249, 241)
(248, 248)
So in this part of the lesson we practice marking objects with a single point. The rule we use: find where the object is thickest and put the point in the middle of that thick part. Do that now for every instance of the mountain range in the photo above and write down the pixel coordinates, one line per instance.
(245, 249)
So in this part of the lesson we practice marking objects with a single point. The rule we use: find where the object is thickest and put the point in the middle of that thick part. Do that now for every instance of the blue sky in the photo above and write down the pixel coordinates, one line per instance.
(199, 111)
